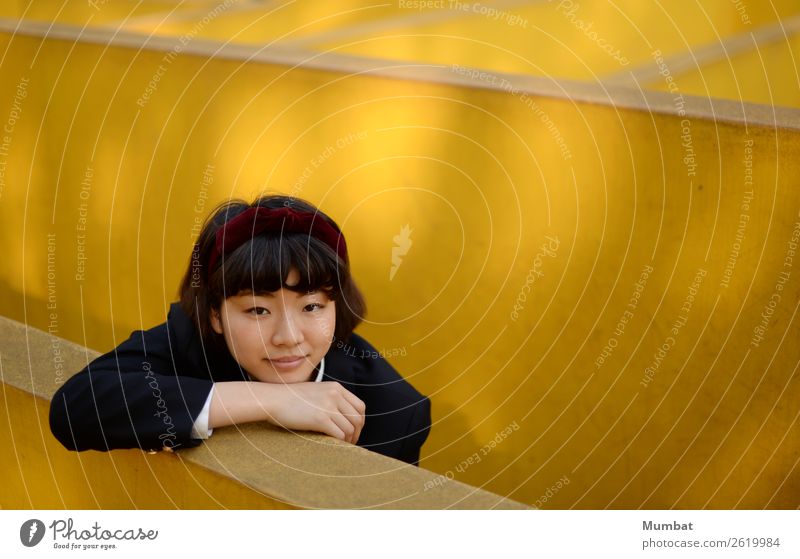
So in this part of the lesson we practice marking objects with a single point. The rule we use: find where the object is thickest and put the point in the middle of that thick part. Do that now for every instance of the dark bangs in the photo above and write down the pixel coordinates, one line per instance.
(263, 264)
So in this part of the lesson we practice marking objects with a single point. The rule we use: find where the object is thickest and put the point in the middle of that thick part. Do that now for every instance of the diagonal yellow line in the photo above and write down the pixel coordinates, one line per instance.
(710, 53)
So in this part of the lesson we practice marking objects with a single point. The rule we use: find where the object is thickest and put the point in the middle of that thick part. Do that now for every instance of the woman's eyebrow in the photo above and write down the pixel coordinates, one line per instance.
(250, 295)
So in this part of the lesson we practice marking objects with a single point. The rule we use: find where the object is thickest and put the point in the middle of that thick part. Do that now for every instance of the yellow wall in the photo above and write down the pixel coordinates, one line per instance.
(482, 183)
(92, 12)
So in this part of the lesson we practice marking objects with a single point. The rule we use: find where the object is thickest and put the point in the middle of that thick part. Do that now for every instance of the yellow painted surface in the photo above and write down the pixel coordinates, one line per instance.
(237, 21)
(267, 23)
(482, 181)
(768, 75)
(94, 12)
(575, 40)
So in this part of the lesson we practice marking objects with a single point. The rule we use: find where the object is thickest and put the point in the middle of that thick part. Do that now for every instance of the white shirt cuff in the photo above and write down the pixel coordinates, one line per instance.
(200, 428)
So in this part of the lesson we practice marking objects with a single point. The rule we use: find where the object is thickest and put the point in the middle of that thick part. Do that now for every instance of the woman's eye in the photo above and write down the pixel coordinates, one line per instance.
(258, 311)
(313, 306)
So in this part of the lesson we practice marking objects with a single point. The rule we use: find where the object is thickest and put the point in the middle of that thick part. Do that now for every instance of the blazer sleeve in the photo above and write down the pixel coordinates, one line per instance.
(135, 396)
(418, 429)
(398, 417)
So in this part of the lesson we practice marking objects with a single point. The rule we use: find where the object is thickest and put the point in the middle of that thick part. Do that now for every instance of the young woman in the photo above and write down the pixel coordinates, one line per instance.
(263, 332)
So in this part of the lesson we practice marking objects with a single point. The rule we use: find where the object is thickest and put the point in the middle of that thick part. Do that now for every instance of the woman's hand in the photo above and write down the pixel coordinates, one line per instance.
(326, 407)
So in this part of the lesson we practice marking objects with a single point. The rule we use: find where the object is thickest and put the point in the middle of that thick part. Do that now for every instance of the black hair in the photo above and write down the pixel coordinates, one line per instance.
(262, 265)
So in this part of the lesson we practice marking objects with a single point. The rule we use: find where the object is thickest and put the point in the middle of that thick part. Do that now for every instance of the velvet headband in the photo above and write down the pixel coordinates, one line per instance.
(255, 221)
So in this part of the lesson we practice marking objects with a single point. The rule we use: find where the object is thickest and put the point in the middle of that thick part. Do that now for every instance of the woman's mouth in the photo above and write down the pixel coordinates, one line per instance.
(287, 363)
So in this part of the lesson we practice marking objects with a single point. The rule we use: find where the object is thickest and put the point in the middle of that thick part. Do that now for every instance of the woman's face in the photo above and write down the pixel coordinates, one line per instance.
(277, 337)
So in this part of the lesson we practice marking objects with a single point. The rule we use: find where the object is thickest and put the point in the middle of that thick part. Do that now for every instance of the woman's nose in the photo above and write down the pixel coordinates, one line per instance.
(287, 331)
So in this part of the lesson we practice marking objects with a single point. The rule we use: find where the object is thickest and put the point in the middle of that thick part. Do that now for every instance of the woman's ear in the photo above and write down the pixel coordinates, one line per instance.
(216, 323)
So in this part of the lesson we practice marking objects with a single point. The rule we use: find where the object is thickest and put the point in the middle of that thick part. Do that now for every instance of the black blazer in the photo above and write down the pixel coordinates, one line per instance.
(148, 392)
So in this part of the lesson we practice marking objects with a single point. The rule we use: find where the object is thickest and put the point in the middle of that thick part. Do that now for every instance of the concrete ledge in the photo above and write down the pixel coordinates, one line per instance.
(247, 466)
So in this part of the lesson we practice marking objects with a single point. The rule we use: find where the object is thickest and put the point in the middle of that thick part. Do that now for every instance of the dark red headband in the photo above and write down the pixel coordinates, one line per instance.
(258, 220)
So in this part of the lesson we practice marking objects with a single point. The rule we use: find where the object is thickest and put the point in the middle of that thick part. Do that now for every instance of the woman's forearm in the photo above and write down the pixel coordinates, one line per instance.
(326, 407)
(238, 402)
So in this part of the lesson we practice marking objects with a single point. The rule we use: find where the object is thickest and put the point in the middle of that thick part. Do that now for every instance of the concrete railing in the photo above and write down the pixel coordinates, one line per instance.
(248, 466)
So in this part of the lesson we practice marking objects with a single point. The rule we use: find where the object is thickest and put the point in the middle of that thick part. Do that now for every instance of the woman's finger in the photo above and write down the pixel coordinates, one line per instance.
(355, 419)
(332, 429)
(355, 401)
(344, 426)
